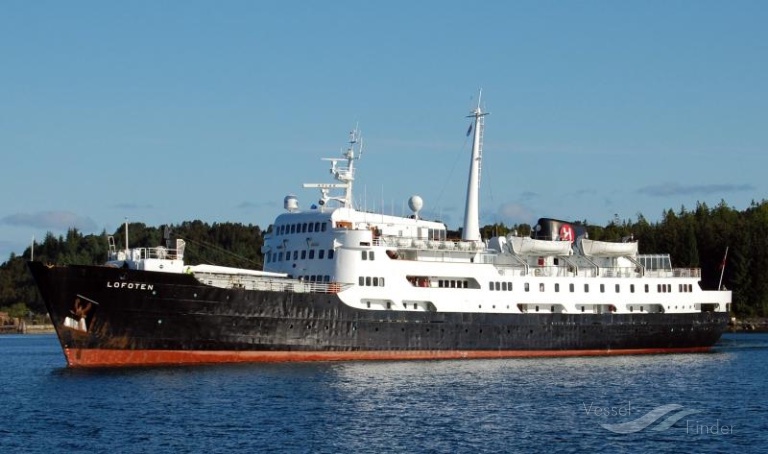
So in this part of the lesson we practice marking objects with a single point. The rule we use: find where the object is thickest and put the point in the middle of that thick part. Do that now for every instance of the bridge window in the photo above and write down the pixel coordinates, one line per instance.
(617, 288)
(586, 288)
(631, 288)
(293, 228)
(602, 288)
(311, 254)
(330, 254)
(557, 287)
(527, 288)
(321, 254)
(571, 288)
(304, 254)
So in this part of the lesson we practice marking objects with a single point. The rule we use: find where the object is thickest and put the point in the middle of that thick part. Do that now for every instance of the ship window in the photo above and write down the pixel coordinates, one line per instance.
(504, 286)
(365, 255)
(646, 288)
(466, 284)
(326, 278)
(280, 257)
(582, 308)
(370, 255)
(317, 227)
(321, 254)
(295, 255)
(490, 286)
(389, 306)
(552, 308)
(537, 308)
(527, 287)
(311, 254)
(541, 287)
(586, 288)
(669, 287)
(368, 304)
(690, 287)
(293, 228)
(311, 227)
(381, 281)
(415, 306)
(330, 254)
(602, 288)
(617, 288)
(361, 280)
(266, 258)
(375, 281)
(631, 309)
(631, 288)
(304, 254)
(571, 288)
(557, 287)
(509, 286)
(324, 226)
(498, 286)
(368, 280)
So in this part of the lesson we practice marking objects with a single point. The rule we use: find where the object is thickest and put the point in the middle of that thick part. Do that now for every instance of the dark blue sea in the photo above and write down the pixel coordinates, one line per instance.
(714, 402)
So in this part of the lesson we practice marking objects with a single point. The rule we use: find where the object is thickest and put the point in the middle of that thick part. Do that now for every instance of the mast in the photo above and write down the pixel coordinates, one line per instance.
(345, 175)
(471, 231)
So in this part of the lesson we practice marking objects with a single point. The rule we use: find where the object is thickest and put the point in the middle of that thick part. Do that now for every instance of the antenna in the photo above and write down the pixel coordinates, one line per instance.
(345, 175)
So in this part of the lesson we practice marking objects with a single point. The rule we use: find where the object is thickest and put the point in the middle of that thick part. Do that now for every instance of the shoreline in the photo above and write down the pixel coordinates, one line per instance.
(24, 328)
(748, 325)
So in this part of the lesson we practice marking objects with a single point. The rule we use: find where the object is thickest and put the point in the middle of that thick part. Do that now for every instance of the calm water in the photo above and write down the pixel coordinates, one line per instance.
(527, 405)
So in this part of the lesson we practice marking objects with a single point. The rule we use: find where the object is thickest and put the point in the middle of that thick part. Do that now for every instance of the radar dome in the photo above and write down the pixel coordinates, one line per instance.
(291, 203)
(415, 203)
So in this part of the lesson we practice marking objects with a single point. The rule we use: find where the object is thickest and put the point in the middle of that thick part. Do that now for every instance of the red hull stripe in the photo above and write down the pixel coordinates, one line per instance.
(116, 358)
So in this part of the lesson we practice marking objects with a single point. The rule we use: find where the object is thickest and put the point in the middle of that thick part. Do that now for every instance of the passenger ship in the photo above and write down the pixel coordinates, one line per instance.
(343, 284)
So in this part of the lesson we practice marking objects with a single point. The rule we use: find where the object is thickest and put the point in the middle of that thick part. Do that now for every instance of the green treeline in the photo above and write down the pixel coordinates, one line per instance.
(694, 239)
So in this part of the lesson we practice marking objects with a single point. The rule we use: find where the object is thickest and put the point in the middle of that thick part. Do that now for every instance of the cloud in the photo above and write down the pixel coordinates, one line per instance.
(515, 213)
(256, 205)
(52, 220)
(669, 189)
(131, 206)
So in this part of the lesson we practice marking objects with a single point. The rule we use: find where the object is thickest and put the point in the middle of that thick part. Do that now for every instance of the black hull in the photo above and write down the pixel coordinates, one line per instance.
(111, 316)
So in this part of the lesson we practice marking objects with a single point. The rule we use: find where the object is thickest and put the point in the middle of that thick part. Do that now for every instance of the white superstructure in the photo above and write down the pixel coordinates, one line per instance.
(384, 262)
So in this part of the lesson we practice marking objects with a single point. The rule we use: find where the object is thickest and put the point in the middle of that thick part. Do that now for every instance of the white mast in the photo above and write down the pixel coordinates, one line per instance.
(471, 231)
(346, 175)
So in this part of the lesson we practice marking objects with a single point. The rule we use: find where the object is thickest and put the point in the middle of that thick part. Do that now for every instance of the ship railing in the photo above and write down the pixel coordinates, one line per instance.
(265, 283)
(675, 272)
(143, 253)
(401, 242)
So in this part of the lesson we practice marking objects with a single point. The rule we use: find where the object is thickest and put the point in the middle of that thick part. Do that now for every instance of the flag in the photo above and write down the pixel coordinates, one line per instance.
(469, 131)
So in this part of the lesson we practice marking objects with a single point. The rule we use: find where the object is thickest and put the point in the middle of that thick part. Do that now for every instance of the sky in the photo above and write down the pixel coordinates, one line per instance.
(172, 111)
